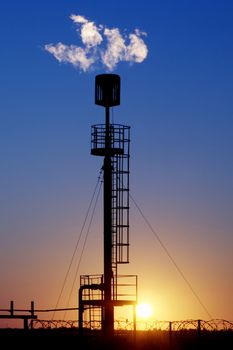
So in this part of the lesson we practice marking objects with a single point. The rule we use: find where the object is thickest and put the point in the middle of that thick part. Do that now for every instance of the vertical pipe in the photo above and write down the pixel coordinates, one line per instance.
(12, 308)
(32, 309)
(199, 328)
(80, 311)
(25, 323)
(199, 340)
(134, 318)
(108, 324)
(170, 334)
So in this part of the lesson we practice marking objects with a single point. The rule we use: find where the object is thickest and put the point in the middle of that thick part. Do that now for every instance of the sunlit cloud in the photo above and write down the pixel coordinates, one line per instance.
(75, 55)
(137, 50)
(115, 50)
(100, 46)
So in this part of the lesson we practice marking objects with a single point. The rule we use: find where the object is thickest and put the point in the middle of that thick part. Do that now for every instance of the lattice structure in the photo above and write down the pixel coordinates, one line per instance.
(120, 197)
(92, 298)
(119, 150)
(112, 142)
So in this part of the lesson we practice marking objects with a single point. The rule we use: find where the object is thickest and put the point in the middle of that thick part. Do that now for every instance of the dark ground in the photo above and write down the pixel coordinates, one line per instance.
(148, 340)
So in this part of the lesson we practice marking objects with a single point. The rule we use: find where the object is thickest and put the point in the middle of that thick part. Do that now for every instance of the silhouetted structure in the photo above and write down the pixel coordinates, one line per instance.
(100, 294)
(14, 314)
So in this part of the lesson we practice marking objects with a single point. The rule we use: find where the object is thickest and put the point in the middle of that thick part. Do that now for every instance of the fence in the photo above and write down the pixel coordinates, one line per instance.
(199, 325)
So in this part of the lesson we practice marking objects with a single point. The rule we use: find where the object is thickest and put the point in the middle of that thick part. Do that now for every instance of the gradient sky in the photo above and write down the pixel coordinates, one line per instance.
(179, 104)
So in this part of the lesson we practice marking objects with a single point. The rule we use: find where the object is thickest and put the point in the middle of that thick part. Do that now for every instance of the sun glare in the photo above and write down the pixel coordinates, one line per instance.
(144, 311)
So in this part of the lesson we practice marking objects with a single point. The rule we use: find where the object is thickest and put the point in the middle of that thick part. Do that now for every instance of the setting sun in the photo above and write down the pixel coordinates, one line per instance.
(144, 311)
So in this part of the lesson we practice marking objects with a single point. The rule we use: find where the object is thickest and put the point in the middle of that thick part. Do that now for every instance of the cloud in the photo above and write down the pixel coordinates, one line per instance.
(78, 19)
(137, 50)
(90, 35)
(100, 45)
(115, 51)
(75, 55)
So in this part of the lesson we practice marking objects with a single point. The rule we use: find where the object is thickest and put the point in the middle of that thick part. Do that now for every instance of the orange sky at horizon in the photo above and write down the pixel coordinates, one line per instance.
(160, 285)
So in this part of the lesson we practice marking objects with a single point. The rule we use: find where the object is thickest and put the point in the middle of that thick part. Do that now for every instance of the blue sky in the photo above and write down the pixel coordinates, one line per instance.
(179, 105)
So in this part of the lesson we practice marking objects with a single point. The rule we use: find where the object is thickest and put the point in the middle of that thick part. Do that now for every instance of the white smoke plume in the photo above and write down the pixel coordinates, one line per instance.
(100, 45)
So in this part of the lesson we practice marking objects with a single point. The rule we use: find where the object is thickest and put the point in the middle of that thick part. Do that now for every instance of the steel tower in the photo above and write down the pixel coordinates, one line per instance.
(100, 294)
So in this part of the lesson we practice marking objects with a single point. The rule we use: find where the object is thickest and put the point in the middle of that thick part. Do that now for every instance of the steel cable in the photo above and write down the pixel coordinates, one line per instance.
(84, 244)
(77, 244)
(156, 235)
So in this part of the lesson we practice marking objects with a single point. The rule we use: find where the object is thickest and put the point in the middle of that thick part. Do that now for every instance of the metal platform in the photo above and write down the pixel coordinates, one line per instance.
(92, 302)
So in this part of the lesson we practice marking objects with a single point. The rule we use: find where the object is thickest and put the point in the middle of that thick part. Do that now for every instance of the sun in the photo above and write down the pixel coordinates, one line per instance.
(144, 311)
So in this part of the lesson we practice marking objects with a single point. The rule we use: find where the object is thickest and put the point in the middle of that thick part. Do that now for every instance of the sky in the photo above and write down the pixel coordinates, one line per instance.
(176, 70)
